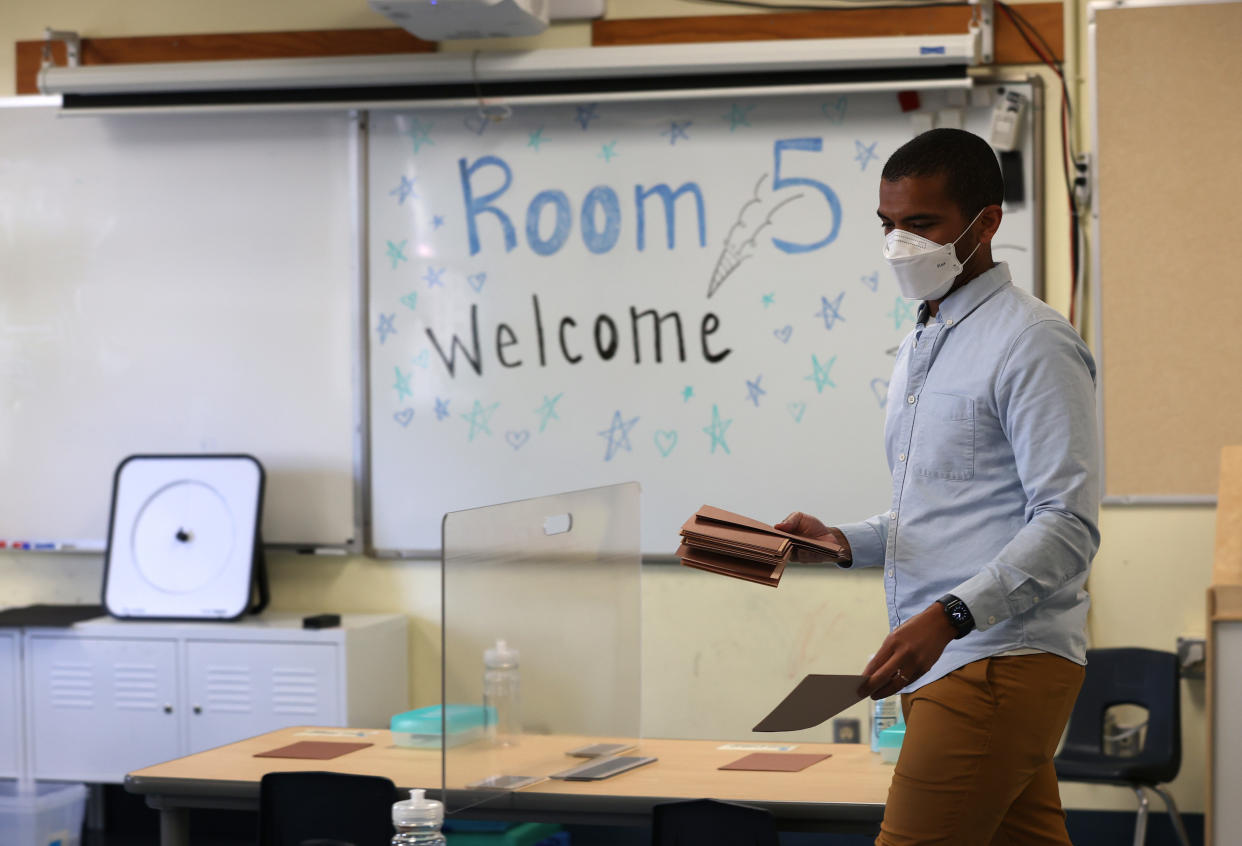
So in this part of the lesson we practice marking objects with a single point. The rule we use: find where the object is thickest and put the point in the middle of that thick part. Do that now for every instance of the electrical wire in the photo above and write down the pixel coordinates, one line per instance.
(825, 5)
(1069, 156)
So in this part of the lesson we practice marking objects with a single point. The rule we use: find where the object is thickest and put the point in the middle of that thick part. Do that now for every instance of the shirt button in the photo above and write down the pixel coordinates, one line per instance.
(949, 322)
(890, 574)
(892, 515)
(910, 399)
(991, 620)
(901, 457)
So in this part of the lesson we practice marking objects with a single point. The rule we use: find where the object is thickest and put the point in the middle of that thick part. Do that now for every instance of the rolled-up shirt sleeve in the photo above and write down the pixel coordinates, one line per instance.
(867, 540)
(1045, 398)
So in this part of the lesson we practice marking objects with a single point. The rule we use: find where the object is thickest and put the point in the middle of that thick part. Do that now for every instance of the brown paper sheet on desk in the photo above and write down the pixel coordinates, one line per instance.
(776, 762)
(815, 699)
(315, 750)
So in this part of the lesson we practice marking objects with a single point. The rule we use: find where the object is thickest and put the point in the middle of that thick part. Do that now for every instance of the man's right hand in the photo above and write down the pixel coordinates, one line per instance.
(798, 523)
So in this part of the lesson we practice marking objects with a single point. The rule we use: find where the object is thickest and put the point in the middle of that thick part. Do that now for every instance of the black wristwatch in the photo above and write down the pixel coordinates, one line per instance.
(959, 615)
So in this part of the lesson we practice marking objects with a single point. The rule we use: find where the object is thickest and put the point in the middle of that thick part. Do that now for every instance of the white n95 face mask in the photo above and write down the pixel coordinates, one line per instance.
(925, 270)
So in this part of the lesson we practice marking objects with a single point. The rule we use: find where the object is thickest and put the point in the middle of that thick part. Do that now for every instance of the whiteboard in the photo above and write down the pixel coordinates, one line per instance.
(558, 231)
(175, 283)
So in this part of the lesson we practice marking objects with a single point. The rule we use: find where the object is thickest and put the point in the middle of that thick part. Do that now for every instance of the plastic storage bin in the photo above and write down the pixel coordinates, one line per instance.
(420, 729)
(50, 815)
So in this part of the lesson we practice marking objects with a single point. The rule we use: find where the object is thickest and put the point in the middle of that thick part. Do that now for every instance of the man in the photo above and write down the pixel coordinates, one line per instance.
(991, 440)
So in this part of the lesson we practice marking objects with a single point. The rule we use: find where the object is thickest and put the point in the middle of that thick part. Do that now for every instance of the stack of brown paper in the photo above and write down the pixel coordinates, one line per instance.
(722, 542)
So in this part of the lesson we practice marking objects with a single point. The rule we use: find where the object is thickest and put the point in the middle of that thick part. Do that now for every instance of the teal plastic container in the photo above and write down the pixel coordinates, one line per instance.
(890, 742)
(420, 728)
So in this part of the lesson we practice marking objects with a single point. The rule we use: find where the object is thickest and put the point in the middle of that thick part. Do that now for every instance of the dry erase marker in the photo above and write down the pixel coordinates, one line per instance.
(45, 545)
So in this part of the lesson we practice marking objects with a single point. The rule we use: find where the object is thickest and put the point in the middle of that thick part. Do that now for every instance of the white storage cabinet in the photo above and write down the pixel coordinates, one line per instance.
(105, 697)
(10, 704)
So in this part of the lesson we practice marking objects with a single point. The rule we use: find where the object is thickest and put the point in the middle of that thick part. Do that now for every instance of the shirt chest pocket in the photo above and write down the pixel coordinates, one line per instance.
(944, 437)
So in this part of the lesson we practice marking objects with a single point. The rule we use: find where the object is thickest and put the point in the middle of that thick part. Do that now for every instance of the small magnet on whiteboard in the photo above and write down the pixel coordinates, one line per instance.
(920, 122)
(908, 100)
(949, 118)
(981, 97)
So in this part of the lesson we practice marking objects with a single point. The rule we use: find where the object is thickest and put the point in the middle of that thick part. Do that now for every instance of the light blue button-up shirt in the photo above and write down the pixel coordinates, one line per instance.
(992, 442)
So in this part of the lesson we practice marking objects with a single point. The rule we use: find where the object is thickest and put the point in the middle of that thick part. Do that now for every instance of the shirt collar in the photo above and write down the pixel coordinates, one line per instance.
(955, 307)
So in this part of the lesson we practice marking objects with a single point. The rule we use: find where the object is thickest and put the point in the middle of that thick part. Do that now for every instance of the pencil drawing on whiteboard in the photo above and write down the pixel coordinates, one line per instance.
(753, 217)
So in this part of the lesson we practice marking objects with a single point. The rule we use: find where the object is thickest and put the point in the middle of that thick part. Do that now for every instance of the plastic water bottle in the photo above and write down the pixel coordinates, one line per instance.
(502, 693)
(417, 821)
(884, 713)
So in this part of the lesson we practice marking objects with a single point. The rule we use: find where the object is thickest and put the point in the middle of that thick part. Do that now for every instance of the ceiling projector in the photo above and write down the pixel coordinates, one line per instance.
(439, 20)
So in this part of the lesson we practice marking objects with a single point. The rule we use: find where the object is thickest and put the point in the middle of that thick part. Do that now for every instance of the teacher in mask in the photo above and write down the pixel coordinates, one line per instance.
(988, 538)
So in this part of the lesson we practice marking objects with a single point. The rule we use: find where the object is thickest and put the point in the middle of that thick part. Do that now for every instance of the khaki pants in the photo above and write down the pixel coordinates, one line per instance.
(976, 763)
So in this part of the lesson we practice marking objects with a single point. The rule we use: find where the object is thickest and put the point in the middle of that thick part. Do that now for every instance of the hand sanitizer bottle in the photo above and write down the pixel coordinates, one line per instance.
(417, 821)
(502, 693)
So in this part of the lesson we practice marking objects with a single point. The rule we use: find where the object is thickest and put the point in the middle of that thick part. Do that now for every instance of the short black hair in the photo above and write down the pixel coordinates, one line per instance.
(972, 173)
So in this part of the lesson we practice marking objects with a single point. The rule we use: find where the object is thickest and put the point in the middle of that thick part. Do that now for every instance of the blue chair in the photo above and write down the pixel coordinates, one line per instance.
(1130, 676)
(301, 807)
(701, 821)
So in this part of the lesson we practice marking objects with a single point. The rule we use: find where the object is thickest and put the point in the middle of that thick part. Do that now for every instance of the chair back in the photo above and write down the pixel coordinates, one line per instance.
(296, 807)
(1130, 676)
(702, 821)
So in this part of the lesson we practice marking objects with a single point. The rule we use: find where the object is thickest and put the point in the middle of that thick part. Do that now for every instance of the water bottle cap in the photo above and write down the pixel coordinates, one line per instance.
(501, 655)
(417, 810)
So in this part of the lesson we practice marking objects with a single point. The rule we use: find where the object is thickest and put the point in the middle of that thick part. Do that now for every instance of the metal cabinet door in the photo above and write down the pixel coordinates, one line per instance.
(101, 706)
(240, 689)
(10, 705)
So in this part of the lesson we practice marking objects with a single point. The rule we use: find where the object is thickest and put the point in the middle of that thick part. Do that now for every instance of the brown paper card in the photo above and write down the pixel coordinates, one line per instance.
(317, 750)
(776, 762)
(727, 565)
(815, 699)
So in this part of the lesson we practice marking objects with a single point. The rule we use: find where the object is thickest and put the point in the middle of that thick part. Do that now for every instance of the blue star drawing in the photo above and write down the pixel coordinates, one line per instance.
(410, 300)
(831, 311)
(547, 411)
(396, 252)
(768, 299)
(437, 221)
(717, 430)
(677, 129)
(585, 115)
(737, 116)
(404, 190)
(441, 408)
(686, 393)
(618, 435)
(753, 391)
(385, 327)
(418, 133)
(402, 385)
(536, 138)
(478, 419)
(432, 277)
(819, 373)
(871, 280)
(863, 153)
(608, 152)
(903, 311)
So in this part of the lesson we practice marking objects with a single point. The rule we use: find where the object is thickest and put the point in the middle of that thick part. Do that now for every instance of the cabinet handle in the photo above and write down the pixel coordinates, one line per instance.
(198, 709)
(167, 708)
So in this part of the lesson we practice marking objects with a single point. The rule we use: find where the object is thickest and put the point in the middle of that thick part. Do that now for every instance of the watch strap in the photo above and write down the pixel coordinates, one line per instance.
(959, 615)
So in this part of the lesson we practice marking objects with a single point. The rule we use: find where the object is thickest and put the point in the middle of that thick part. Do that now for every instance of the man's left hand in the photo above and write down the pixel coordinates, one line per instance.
(908, 652)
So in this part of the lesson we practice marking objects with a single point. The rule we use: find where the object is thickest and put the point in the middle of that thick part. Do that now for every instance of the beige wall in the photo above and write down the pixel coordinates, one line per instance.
(1148, 582)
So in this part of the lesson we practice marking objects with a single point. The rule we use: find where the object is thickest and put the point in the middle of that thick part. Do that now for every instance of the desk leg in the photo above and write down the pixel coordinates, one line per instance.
(174, 827)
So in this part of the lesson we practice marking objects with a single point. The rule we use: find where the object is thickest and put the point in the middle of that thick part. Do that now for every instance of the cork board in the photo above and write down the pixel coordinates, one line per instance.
(1227, 565)
(1165, 81)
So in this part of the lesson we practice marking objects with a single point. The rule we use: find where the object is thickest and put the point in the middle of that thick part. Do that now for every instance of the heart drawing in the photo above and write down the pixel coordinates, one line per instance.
(517, 439)
(665, 440)
(783, 334)
(879, 387)
(796, 410)
(404, 416)
(476, 281)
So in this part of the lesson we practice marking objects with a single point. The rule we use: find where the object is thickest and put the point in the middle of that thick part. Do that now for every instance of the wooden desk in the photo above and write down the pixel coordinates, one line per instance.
(845, 793)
